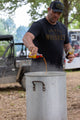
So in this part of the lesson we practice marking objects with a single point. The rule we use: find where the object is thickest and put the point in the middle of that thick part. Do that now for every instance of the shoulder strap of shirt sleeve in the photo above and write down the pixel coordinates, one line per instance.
(35, 28)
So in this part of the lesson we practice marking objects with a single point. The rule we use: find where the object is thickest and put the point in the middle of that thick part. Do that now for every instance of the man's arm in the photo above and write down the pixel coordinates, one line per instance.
(67, 48)
(28, 42)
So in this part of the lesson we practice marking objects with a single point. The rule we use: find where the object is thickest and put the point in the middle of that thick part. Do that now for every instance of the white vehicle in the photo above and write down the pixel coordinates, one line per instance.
(74, 36)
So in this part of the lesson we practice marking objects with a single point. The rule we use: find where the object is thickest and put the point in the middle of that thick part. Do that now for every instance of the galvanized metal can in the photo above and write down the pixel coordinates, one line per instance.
(46, 95)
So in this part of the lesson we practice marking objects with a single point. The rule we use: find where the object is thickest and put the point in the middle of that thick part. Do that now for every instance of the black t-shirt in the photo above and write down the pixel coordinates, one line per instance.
(50, 40)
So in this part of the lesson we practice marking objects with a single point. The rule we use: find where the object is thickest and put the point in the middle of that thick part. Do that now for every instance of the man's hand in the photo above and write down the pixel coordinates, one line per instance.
(33, 49)
(70, 58)
(69, 52)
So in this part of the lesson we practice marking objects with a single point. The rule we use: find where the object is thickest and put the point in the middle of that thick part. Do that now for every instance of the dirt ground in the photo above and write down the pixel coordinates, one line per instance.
(13, 99)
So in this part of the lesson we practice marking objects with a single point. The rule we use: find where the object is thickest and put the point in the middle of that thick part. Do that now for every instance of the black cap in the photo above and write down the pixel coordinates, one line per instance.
(57, 6)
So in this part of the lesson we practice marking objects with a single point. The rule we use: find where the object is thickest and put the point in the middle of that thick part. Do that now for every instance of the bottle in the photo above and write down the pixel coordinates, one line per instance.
(35, 56)
(70, 52)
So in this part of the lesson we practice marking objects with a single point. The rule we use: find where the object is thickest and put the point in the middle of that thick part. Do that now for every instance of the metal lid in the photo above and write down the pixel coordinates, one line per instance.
(45, 74)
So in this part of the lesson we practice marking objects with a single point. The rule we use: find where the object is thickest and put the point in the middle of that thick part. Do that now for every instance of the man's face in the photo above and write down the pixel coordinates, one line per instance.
(53, 16)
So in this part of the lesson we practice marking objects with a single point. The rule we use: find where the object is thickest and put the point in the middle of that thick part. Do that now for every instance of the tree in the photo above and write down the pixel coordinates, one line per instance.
(9, 26)
(6, 27)
(75, 25)
(2, 30)
(10, 5)
(70, 14)
(20, 33)
(35, 12)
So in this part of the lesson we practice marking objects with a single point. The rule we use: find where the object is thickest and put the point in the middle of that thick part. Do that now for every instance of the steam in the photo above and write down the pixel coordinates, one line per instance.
(39, 65)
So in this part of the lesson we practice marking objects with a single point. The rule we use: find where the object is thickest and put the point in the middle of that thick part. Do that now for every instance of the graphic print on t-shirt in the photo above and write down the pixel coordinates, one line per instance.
(55, 35)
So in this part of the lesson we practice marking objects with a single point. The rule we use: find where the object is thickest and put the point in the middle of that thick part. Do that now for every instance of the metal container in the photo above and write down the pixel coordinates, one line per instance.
(46, 95)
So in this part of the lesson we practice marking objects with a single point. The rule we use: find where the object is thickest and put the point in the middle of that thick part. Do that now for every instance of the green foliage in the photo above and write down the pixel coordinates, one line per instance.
(38, 8)
(10, 5)
(74, 25)
(20, 33)
(2, 49)
(3, 46)
(2, 30)
(68, 12)
(7, 26)
(37, 11)
(78, 86)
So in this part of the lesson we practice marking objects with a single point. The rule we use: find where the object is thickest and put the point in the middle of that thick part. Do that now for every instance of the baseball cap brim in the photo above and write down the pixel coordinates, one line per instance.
(56, 10)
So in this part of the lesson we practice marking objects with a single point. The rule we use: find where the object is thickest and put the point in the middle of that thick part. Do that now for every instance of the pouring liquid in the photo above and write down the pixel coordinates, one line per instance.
(45, 63)
(39, 56)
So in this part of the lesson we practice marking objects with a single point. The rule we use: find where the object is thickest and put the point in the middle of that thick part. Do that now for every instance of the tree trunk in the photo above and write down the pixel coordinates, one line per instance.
(65, 13)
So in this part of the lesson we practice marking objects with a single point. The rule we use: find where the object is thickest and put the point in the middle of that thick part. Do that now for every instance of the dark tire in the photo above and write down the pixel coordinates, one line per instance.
(23, 83)
(22, 80)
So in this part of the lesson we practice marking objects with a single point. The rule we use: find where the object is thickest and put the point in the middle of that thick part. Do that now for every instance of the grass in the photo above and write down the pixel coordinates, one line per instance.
(78, 86)
(73, 70)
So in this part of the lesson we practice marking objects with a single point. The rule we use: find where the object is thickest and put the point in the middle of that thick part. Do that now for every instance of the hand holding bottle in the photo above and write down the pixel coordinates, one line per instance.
(70, 55)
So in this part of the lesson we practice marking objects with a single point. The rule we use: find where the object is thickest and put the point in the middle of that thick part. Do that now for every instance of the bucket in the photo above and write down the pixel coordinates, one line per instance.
(46, 95)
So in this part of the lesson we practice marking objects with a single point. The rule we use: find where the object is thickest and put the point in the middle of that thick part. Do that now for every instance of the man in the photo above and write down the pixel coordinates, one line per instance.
(49, 37)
